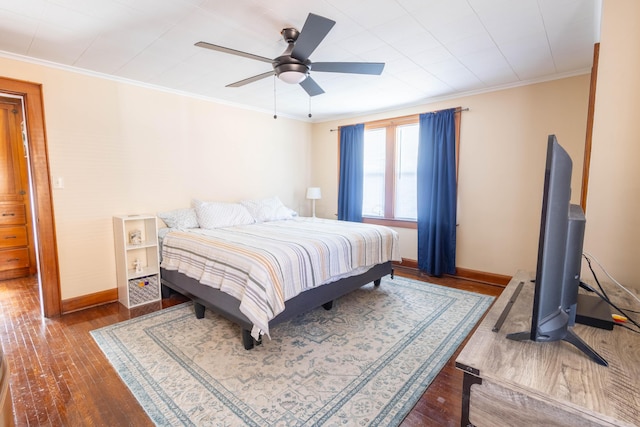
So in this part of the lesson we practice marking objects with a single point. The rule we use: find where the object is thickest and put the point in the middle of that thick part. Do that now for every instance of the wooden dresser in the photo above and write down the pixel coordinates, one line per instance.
(14, 241)
(17, 248)
(512, 383)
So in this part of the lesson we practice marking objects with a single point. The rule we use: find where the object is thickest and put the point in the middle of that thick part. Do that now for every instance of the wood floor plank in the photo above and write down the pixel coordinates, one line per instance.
(60, 377)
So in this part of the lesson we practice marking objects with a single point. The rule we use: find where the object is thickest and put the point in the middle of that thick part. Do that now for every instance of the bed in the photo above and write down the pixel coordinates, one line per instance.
(262, 273)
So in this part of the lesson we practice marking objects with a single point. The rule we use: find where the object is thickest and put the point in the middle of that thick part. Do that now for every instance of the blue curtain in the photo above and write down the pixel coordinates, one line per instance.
(351, 185)
(437, 193)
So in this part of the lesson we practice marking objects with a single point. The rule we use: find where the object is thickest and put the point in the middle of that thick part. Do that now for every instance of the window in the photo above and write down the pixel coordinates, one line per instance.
(390, 169)
(390, 166)
(375, 152)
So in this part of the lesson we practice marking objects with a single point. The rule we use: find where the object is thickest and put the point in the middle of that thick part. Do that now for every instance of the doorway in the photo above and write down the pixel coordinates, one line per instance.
(17, 243)
(42, 209)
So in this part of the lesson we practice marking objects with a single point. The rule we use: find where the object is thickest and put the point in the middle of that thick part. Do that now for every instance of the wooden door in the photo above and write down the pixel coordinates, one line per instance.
(17, 248)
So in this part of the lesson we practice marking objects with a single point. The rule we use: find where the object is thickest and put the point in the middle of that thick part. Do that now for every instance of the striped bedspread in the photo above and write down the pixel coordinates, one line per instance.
(263, 265)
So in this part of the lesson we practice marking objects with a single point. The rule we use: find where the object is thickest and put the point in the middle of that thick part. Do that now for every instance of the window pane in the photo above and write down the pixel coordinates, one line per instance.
(374, 167)
(406, 172)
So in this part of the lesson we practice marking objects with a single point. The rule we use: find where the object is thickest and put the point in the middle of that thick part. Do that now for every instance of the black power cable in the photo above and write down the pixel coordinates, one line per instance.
(596, 278)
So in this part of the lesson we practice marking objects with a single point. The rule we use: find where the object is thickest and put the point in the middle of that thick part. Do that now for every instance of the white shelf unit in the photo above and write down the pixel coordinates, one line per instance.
(137, 286)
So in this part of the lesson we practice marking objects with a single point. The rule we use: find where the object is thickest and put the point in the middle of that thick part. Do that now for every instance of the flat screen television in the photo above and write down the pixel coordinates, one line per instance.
(559, 258)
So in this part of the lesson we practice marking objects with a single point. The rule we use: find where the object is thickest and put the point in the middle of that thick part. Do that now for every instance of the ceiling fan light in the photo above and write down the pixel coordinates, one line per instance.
(292, 77)
(291, 72)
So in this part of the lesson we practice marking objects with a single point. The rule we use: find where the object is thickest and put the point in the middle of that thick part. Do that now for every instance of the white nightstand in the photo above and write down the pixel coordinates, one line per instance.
(137, 261)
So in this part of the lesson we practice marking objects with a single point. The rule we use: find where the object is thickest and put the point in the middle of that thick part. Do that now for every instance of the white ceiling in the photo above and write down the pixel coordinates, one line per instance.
(433, 49)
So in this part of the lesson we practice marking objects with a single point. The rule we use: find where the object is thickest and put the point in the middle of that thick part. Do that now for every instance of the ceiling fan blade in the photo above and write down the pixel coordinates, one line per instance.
(233, 52)
(349, 67)
(311, 87)
(315, 29)
(251, 79)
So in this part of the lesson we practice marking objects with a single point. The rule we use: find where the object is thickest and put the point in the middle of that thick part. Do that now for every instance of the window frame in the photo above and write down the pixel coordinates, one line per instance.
(391, 125)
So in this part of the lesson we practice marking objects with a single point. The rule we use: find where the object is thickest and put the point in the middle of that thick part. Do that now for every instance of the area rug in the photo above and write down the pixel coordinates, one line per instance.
(365, 362)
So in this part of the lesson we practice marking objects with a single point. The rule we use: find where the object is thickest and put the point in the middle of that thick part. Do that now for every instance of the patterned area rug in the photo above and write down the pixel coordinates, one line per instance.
(365, 362)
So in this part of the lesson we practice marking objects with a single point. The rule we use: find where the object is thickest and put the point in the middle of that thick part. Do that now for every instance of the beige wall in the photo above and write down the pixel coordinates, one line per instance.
(502, 157)
(125, 149)
(613, 199)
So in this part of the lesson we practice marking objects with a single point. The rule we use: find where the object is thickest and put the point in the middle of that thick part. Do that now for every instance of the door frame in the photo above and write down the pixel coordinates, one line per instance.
(48, 270)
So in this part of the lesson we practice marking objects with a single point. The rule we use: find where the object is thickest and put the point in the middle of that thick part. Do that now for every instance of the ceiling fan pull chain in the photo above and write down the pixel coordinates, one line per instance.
(275, 114)
(309, 107)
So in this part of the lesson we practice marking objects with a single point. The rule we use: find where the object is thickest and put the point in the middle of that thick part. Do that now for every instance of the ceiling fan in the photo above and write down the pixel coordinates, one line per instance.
(293, 66)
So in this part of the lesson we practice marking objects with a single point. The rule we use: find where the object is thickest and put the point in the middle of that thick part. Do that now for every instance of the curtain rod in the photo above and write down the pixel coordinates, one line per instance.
(458, 110)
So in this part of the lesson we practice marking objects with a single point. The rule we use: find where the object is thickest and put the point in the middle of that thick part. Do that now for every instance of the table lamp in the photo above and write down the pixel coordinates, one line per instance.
(314, 193)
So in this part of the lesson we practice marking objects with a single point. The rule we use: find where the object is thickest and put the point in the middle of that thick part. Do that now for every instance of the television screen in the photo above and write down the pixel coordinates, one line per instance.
(560, 243)
(550, 320)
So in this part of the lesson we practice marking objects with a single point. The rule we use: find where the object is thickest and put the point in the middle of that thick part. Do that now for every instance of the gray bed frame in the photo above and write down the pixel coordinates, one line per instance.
(229, 307)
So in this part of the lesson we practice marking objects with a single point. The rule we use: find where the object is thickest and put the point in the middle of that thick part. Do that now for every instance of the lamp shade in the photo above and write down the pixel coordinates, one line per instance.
(314, 193)
(292, 77)
(292, 73)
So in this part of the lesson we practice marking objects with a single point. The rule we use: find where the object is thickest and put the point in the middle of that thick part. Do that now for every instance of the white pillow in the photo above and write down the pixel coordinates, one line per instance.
(270, 209)
(180, 218)
(217, 215)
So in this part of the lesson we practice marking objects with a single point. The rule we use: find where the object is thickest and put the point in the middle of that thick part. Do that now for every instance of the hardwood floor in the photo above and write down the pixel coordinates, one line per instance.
(59, 376)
